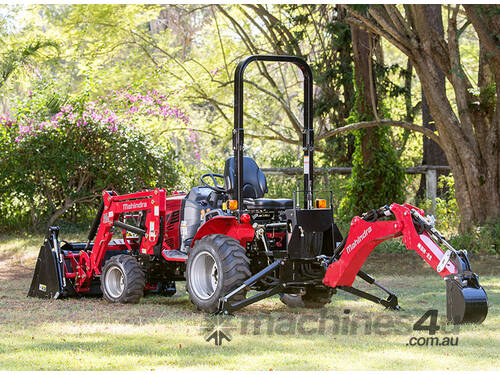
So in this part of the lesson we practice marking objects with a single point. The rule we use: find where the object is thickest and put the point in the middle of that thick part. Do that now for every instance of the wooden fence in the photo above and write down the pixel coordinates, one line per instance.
(430, 172)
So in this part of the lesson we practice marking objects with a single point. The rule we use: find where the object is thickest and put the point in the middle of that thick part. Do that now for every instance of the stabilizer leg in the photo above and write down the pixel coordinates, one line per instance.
(391, 302)
(227, 307)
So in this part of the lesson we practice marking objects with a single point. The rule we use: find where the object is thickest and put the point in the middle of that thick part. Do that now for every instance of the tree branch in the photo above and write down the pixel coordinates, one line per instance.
(370, 124)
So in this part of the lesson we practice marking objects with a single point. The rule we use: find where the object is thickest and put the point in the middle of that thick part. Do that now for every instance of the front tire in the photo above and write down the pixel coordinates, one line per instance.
(122, 280)
(216, 265)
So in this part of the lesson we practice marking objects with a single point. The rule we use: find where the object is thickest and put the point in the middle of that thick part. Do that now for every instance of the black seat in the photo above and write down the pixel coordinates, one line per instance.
(254, 187)
(267, 204)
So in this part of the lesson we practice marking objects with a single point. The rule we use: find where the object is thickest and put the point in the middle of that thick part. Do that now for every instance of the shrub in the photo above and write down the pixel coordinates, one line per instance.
(375, 184)
(50, 166)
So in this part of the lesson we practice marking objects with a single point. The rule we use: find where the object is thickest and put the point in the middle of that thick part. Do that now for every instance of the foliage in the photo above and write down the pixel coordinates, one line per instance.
(82, 150)
(279, 186)
(16, 55)
(484, 239)
(480, 239)
(187, 53)
(446, 206)
(323, 28)
(372, 187)
(377, 178)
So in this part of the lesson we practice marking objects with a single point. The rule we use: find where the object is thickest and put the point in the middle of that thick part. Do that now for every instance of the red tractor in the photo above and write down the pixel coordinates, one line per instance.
(226, 238)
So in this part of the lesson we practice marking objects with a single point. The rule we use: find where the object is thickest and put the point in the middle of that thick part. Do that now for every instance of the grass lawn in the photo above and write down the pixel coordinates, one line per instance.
(161, 332)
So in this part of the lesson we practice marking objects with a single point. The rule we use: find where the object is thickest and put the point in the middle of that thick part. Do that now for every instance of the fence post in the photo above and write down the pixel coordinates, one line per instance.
(431, 187)
(325, 181)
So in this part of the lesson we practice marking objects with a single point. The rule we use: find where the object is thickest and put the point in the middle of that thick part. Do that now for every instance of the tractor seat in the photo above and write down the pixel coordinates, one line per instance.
(254, 187)
(267, 204)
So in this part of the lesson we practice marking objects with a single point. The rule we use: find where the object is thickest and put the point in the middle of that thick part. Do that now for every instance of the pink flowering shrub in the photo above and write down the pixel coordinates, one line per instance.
(75, 154)
(151, 104)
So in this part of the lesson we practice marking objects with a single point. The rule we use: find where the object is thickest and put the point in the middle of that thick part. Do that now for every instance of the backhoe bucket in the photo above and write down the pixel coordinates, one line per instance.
(48, 279)
(466, 300)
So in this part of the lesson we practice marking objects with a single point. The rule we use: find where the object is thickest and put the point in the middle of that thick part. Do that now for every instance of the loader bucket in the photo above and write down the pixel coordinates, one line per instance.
(466, 300)
(48, 278)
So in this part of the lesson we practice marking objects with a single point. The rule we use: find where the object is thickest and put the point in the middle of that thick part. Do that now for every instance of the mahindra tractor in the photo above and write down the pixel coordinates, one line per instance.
(234, 246)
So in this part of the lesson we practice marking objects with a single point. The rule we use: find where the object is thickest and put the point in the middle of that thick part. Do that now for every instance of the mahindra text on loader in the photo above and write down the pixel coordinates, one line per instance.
(226, 238)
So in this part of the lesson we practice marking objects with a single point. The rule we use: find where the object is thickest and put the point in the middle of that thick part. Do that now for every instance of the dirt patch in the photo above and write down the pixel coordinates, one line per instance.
(15, 272)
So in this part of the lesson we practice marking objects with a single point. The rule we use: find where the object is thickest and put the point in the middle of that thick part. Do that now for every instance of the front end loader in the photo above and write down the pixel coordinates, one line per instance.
(226, 238)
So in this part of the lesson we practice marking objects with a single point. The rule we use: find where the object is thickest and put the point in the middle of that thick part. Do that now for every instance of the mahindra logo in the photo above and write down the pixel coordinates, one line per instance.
(356, 242)
(131, 206)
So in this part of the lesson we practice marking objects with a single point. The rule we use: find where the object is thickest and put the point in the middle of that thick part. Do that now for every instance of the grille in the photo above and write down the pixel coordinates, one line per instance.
(173, 219)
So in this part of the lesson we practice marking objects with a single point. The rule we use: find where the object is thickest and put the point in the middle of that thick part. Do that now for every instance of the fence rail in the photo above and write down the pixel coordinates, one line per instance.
(430, 172)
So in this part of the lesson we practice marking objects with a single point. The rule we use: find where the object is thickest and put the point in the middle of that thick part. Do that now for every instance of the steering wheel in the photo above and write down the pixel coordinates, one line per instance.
(216, 187)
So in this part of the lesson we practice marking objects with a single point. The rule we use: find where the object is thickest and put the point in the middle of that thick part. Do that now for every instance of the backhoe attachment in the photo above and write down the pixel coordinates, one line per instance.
(466, 299)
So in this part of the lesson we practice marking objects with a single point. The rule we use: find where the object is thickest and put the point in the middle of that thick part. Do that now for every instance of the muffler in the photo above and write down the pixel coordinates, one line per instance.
(48, 278)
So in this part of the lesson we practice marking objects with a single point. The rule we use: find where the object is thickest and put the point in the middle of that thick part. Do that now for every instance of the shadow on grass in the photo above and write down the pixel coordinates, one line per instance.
(126, 352)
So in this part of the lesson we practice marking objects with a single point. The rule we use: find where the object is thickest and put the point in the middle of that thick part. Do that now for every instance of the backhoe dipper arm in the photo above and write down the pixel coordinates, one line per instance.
(467, 300)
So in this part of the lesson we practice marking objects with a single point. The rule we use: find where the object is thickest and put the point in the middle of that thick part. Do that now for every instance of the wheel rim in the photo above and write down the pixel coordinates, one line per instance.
(115, 282)
(204, 275)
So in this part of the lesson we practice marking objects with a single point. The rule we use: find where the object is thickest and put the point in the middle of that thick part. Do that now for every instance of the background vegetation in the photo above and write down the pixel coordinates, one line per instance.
(127, 97)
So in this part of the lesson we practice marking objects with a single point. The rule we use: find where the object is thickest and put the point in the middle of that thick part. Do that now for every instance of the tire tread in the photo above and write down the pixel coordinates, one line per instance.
(134, 275)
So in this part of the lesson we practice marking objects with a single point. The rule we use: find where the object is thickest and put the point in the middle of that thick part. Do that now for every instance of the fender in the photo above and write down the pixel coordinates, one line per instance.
(227, 225)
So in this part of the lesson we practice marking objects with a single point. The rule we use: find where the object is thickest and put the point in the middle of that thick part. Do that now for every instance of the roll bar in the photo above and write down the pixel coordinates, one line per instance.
(307, 133)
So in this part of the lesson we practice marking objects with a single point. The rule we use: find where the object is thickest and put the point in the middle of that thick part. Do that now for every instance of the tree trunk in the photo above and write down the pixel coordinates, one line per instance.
(433, 154)
(377, 176)
(476, 182)
(365, 89)
(470, 135)
(68, 203)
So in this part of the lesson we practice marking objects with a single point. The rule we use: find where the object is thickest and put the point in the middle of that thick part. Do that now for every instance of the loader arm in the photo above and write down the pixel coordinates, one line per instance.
(152, 202)
(466, 299)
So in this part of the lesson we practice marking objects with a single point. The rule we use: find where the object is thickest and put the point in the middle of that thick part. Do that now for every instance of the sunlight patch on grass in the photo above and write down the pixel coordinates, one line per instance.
(166, 333)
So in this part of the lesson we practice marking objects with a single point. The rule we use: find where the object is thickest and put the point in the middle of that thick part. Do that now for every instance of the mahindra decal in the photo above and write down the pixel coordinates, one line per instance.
(356, 242)
(134, 206)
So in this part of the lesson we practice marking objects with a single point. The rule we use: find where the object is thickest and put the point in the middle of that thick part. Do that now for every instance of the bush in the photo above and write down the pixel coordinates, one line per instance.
(375, 184)
(481, 240)
(48, 167)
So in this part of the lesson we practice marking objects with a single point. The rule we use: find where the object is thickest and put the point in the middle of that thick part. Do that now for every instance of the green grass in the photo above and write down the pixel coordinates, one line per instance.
(161, 332)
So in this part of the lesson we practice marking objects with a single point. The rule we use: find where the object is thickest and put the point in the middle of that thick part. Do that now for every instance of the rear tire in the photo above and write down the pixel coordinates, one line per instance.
(313, 298)
(216, 265)
(122, 280)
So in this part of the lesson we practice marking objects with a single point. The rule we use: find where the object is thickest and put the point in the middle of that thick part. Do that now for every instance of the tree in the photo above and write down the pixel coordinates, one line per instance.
(376, 176)
(432, 153)
(469, 134)
(316, 33)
